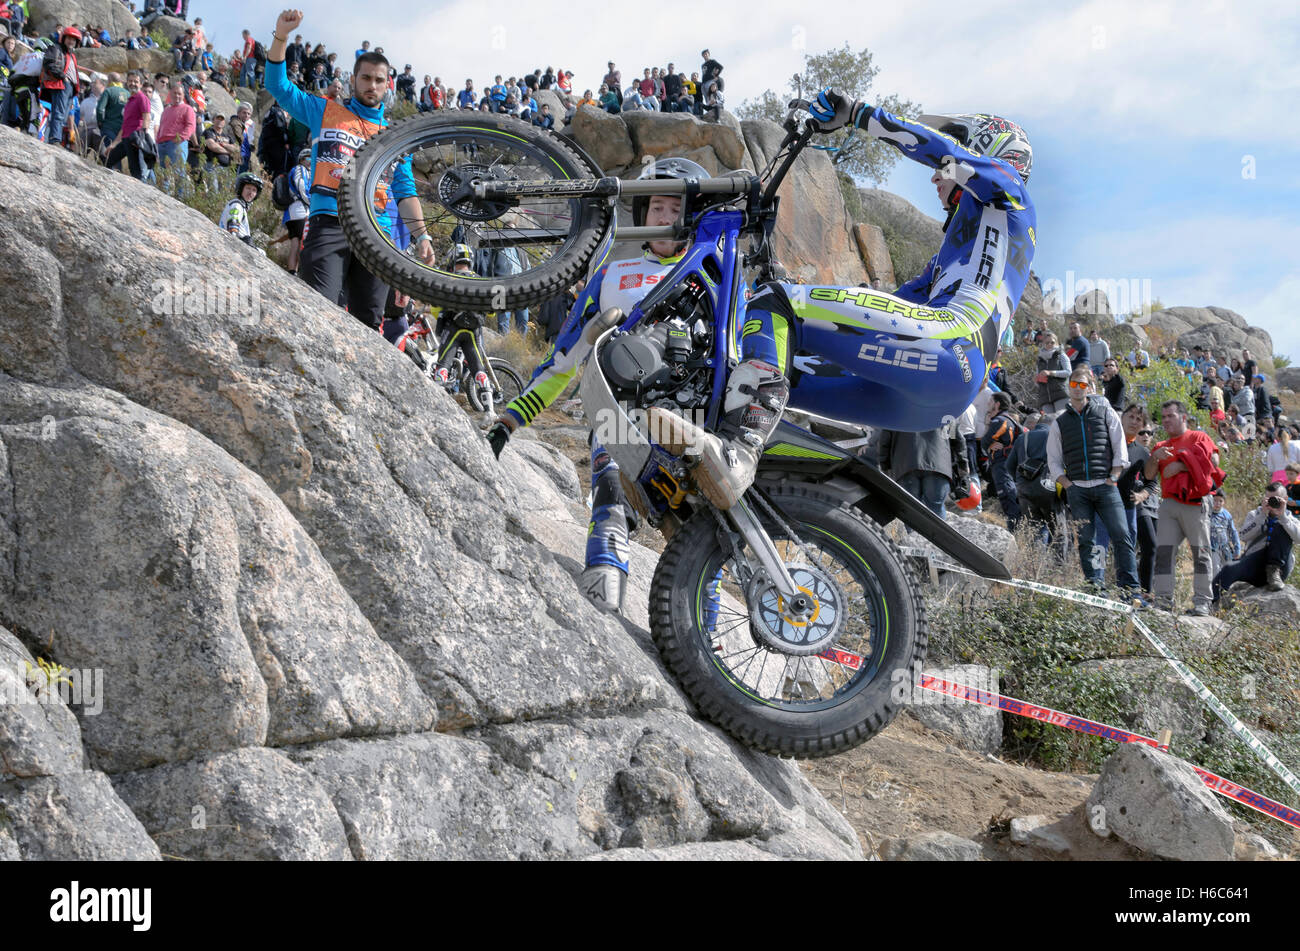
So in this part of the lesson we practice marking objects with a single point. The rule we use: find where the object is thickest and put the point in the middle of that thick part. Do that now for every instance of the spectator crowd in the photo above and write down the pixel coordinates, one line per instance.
(1076, 456)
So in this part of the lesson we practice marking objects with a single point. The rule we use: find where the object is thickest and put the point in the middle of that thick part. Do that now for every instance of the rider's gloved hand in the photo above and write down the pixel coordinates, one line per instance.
(831, 111)
(498, 436)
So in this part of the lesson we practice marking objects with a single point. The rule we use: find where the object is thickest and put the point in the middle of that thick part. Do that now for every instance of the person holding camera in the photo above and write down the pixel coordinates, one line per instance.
(1268, 535)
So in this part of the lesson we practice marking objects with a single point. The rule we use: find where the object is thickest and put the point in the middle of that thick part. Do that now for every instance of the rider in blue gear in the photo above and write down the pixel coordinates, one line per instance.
(905, 361)
(753, 385)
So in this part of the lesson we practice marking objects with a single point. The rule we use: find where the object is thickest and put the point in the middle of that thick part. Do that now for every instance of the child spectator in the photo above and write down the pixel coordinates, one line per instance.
(1225, 543)
(234, 217)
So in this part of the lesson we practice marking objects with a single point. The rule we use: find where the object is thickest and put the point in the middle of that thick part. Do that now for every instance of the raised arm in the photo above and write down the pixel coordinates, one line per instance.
(990, 180)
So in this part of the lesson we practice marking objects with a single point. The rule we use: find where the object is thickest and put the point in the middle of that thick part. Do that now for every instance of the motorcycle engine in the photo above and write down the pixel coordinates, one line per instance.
(664, 359)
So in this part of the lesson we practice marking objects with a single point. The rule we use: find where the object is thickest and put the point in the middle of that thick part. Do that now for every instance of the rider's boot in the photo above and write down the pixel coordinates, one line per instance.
(604, 580)
(443, 376)
(755, 399)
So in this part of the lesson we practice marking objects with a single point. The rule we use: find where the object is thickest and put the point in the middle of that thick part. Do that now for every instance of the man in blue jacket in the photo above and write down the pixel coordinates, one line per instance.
(337, 131)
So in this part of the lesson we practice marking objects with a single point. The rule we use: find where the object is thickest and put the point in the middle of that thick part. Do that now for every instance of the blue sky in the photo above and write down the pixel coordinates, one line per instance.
(1142, 116)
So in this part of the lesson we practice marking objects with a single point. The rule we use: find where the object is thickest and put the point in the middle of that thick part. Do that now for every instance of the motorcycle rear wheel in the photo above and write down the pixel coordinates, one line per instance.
(555, 238)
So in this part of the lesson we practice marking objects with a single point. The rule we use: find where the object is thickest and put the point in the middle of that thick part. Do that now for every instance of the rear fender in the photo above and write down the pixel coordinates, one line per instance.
(796, 455)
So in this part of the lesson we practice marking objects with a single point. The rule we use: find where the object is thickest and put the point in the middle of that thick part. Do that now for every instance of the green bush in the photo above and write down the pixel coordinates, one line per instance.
(158, 37)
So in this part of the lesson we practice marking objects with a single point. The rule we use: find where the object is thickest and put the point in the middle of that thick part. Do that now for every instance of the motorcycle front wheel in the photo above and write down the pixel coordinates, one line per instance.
(803, 687)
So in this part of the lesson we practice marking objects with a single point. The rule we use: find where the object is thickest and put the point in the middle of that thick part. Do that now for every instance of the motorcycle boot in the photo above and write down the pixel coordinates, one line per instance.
(604, 580)
(725, 464)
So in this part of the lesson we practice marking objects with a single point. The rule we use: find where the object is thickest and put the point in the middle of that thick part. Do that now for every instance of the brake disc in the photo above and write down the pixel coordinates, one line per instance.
(456, 188)
(777, 627)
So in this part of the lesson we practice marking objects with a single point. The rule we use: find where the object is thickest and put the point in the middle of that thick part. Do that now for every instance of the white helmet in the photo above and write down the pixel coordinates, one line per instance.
(664, 168)
(993, 136)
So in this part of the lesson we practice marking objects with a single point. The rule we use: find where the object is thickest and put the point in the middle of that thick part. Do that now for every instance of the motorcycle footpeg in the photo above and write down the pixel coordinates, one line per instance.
(604, 586)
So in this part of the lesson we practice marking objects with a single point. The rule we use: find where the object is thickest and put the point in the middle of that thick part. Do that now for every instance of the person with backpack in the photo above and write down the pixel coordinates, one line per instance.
(290, 192)
(273, 149)
(1188, 463)
(60, 81)
(1039, 501)
(999, 438)
(1086, 454)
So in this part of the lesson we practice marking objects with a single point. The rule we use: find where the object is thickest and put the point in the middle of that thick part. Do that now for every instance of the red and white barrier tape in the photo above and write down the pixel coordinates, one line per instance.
(1194, 683)
(1218, 784)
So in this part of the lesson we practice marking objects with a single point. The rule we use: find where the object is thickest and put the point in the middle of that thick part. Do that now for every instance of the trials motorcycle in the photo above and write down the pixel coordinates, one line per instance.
(790, 619)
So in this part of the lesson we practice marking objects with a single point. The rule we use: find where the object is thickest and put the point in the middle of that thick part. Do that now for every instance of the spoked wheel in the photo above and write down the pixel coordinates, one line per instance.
(803, 685)
(508, 387)
(552, 239)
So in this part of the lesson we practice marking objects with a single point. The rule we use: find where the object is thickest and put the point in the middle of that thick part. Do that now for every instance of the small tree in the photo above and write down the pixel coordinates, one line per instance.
(851, 74)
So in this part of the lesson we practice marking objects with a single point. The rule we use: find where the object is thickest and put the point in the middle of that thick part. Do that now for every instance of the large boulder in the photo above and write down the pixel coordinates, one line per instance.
(219, 100)
(151, 62)
(875, 255)
(287, 549)
(44, 15)
(1215, 327)
(107, 59)
(1158, 804)
(603, 136)
(813, 232)
(194, 549)
(1279, 610)
(974, 726)
(1091, 308)
(243, 805)
(1288, 378)
(660, 134)
(173, 28)
(70, 817)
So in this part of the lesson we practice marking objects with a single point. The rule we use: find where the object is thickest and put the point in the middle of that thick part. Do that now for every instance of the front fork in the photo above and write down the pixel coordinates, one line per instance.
(754, 553)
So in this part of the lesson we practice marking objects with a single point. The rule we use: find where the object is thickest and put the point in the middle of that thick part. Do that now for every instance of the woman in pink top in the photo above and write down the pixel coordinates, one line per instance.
(135, 114)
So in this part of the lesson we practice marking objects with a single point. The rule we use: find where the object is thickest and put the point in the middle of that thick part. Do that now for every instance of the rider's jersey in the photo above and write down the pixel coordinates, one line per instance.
(989, 241)
(620, 284)
(908, 360)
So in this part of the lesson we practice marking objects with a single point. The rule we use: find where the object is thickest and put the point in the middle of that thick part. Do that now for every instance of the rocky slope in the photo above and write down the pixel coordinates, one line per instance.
(322, 612)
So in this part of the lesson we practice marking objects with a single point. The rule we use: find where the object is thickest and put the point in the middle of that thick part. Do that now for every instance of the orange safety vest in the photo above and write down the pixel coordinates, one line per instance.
(342, 132)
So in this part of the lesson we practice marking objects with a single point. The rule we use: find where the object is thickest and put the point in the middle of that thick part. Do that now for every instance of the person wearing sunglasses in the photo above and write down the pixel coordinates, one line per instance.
(1086, 453)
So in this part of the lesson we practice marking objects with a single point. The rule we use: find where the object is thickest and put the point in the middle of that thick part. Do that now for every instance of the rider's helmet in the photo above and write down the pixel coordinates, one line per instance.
(664, 168)
(972, 500)
(993, 136)
(248, 178)
(304, 154)
(459, 253)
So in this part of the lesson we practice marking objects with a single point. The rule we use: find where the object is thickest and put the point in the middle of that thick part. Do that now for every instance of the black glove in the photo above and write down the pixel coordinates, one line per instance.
(831, 111)
(497, 437)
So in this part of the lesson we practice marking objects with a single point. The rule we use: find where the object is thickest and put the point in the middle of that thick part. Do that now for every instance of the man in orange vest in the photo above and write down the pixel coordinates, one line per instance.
(337, 130)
